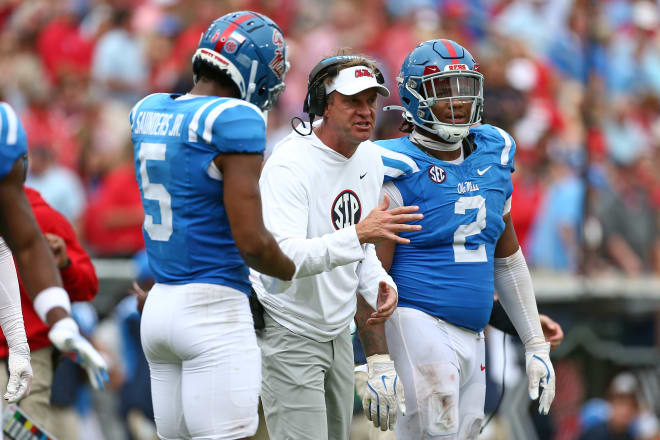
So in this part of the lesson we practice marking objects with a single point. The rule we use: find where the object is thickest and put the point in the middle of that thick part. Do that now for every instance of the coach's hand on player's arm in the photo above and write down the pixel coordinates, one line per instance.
(382, 224)
(383, 394)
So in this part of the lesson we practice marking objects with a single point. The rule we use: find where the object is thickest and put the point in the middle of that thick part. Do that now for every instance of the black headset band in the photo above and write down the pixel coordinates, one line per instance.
(315, 99)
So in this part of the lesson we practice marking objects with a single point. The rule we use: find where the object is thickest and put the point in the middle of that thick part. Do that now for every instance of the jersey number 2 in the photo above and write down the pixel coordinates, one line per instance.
(155, 191)
(461, 253)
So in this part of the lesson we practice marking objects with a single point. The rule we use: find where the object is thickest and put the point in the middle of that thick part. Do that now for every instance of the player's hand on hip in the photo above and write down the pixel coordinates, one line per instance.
(387, 302)
(20, 373)
(64, 335)
(383, 394)
(540, 373)
(382, 224)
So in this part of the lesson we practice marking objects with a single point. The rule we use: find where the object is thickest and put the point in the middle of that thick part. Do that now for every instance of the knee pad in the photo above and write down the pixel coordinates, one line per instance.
(470, 426)
(437, 398)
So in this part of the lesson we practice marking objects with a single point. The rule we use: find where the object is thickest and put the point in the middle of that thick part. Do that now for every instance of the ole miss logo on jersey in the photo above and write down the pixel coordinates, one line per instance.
(346, 210)
(437, 174)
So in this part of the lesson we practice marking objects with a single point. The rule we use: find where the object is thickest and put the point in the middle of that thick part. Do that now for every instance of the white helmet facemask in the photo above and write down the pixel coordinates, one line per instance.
(460, 90)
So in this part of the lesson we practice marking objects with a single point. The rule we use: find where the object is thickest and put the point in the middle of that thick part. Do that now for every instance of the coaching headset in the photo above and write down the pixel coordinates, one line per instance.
(316, 97)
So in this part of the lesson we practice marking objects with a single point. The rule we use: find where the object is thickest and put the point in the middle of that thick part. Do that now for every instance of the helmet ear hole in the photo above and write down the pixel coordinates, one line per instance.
(251, 49)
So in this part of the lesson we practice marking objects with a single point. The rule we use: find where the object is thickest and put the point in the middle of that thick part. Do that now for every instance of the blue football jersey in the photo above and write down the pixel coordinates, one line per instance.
(186, 229)
(13, 142)
(447, 269)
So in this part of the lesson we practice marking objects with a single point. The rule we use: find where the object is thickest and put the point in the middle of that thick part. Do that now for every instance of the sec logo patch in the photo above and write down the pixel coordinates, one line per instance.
(437, 174)
(346, 210)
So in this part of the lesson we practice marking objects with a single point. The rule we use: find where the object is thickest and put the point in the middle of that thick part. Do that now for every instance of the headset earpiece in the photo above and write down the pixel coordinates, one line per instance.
(315, 99)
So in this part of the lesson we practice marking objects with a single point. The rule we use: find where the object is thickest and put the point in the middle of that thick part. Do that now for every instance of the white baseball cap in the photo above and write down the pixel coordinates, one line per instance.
(353, 80)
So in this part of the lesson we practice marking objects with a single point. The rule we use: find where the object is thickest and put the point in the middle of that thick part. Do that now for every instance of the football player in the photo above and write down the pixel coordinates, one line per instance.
(459, 173)
(37, 268)
(198, 157)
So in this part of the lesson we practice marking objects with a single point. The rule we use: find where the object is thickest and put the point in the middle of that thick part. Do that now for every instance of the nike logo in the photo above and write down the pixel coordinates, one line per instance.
(363, 175)
(482, 172)
(483, 367)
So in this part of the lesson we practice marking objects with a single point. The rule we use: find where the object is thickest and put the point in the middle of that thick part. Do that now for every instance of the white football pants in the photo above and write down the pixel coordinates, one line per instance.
(442, 367)
(205, 364)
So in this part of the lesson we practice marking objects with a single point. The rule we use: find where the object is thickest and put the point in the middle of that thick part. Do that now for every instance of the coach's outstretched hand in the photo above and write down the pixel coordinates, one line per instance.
(387, 301)
(383, 394)
(540, 373)
(65, 335)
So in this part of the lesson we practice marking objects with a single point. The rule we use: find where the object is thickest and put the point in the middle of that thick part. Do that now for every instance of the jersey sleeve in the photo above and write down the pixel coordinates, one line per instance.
(233, 126)
(396, 199)
(13, 141)
(133, 113)
(497, 143)
(395, 164)
(508, 149)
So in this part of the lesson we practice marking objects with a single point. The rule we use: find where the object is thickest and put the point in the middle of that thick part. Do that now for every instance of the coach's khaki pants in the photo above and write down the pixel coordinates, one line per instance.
(62, 423)
(307, 386)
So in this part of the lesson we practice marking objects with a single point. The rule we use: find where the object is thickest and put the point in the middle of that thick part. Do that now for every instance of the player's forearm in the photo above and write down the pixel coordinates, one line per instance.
(11, 316)
(516, 293)
(372, 336)
(500, 320)
(36, 255)
(269, 259)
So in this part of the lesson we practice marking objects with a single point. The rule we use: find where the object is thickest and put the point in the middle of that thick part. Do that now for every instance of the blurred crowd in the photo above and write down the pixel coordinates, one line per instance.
(576, 82)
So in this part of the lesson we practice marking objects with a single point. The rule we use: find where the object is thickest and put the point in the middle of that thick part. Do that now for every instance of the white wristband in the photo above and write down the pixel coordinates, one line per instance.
(50, 298)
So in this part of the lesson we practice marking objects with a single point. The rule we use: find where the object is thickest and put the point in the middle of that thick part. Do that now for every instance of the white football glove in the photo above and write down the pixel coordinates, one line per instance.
(20, 373)
(383, 393)
(67, 338)
(540, 372)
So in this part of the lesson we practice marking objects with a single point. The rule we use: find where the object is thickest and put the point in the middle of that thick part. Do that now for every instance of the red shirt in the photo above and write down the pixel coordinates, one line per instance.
(113, 219)
(79, 278)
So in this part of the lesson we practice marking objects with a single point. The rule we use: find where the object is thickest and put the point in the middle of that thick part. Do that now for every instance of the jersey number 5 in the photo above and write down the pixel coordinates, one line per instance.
(155, 191)
(461, 253)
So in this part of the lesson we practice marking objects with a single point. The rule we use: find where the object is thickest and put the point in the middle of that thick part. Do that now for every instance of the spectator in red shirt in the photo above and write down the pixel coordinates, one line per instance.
(113, 220)
(79, 280)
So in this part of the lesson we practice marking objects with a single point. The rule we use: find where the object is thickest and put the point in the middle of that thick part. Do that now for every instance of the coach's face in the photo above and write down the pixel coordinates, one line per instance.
(352, 116)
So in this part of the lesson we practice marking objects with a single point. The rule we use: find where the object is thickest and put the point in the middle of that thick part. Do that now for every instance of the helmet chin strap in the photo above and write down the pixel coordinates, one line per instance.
(421, 139)
(454, 138)
(251, 85)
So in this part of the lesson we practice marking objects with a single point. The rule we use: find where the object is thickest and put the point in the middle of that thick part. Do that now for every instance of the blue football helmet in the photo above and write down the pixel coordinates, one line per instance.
(437, 71)
(250, 48)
